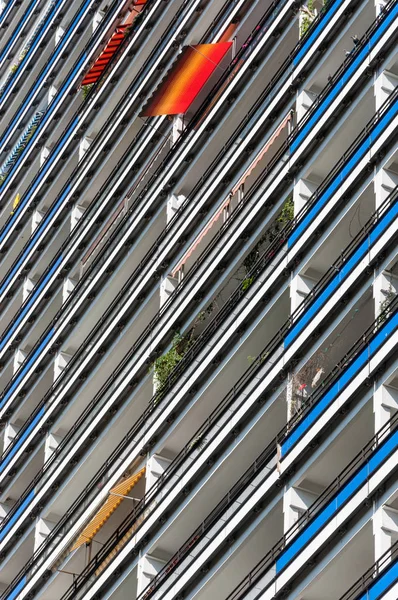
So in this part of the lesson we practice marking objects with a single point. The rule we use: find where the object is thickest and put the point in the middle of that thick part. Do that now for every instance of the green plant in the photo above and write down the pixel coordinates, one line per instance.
(13, 68)
(246, 283)
(287, 212)
(384, 304)
(307, 16)
(197, 443)
(86, 90)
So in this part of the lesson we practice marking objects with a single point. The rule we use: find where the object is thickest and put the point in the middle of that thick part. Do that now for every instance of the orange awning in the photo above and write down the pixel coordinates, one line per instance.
(192, 69)
(107, 509)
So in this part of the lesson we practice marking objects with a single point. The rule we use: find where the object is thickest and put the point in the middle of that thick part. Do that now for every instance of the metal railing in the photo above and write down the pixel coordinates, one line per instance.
(370, 577)
(361, 458)
(149, 502)
(214, 325)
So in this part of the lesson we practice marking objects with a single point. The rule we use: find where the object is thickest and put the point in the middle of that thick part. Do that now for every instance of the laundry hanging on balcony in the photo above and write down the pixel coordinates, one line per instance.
(116, 496)
(187, 77)
(113, 45)
(22, 143)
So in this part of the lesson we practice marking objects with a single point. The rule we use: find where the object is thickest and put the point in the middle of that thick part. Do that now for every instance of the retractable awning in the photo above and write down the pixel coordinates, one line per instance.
(192, 69)
(117, 38)
(108, 508)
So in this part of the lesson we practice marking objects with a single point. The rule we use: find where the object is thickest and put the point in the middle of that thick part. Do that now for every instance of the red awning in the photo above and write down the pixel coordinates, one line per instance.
(185, 80)
(98, 67)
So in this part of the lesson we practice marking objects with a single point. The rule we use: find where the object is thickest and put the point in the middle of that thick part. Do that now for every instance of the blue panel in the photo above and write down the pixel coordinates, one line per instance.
(20, 25)
(314, 35)
(387, 578)
(302, 539)
(342, 274)
(20, 441)
(333, 392)
(26, 367)
(36, 236)
(344, 172)
(37, 291)
(17, 589)
(36, 41)
(18, 513)
(344, 78)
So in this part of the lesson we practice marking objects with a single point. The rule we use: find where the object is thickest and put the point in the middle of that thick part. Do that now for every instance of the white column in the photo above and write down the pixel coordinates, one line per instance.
(52, 92)
(384, 86)
(19, 357)
(45, 151)
(43, 528)
(155, 467)
(76, 215)
(10, 431)
(84, 145)
(61, 360)
(167, 287)
(36, 219)
(178, 128)
(148, 567)
(5, 507)
(379, 6)
(295, 502)
(173, 204)
(385, 404)
(300, 287)
(68, 287)
(385, 287)
(51, 444)
(58, 34)
(385, 529)
(28, 286)
(302, 192)
(384, 182)
(99, 15)
(304, 101)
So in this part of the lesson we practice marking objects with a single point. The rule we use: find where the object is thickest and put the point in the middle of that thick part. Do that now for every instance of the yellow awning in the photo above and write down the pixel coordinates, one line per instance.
(115, 498)
(15, 203)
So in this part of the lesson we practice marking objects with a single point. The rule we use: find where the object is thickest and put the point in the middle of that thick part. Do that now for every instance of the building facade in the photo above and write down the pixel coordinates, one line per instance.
(198, 296)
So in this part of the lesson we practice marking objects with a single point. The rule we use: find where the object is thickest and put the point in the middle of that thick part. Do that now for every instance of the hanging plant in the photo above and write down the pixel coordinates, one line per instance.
(86, 90)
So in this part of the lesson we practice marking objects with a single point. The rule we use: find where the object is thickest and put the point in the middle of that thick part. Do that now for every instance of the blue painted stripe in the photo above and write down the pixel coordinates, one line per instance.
(19, 27)
(344, 172)
(360, 252)
(303, 538)
(18, 513)
(39, 82)
(17, 590)
(26, 368)
(315, 34)
(35, 43)
(20, 441)
(344, 78)
(15, 270)
(387, 578)
(39, 178)
(343, 380)
(29, 304)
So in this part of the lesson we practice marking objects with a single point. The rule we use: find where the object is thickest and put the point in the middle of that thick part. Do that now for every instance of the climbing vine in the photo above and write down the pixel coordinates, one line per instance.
(86, 90)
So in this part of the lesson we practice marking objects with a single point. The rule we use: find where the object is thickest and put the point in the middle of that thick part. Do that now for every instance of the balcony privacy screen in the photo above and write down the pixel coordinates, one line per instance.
(192, 69)
(114, 499)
